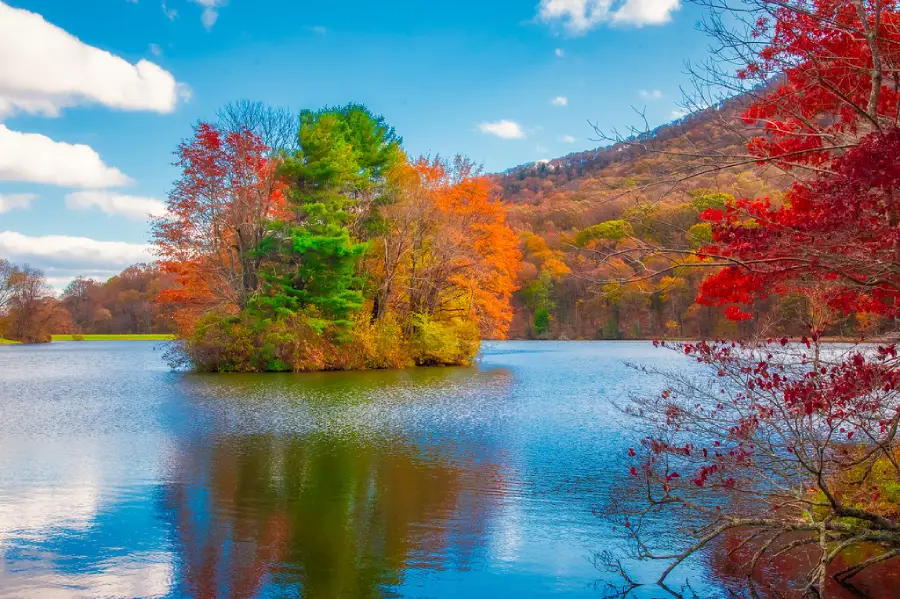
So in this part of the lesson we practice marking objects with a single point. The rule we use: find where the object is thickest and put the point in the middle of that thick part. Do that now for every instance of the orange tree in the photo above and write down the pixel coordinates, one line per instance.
(446, 250)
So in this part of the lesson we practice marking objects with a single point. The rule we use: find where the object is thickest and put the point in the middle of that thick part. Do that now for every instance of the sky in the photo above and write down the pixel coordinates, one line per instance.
(96, 94)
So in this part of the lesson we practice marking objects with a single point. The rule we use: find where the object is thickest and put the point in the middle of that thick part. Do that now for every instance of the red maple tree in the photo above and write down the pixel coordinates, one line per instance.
(831, 68)
(792, 444)
(229, 188)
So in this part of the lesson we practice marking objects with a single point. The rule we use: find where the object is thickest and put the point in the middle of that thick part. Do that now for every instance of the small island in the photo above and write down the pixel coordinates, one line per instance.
(328, 248)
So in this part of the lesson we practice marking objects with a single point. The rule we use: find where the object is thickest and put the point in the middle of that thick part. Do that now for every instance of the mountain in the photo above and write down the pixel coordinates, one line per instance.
(649, 188)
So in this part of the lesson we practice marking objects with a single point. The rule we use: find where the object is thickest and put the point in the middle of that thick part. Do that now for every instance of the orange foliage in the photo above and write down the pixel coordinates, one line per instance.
(449, 252)
(549, 261)
(191, 297)
(489, 273)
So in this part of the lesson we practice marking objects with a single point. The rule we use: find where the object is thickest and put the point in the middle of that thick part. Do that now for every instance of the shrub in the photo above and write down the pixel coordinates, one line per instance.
(299, 343)
(442, 343)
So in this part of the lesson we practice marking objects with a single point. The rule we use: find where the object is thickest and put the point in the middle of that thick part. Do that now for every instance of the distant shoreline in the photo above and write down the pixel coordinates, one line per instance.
(125, 337)
(171, 337)
(696, 339)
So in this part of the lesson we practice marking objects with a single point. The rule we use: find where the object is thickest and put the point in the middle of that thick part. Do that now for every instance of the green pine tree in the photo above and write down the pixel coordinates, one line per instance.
(343, 157)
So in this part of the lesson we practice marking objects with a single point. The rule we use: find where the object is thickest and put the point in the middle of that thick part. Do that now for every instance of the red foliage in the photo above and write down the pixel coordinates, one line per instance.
(228, 189)
(771, 386)
(838, 234)
(836, 70)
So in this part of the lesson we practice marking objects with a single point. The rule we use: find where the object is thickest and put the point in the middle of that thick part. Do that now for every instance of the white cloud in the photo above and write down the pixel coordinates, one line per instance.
(679, 113)
(560, 52)
(155, 50)
(560, 101)
(651, 95)
(210, 11)
(64, 252)
(46, 69)
(646, 12)
(567, 139)
(504, 129)
(13, 201)
(38, 159)
(170, 13)
(133, 207)
(580, 16)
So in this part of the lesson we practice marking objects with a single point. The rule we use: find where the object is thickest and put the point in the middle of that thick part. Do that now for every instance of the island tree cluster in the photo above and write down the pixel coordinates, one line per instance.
(332, 249)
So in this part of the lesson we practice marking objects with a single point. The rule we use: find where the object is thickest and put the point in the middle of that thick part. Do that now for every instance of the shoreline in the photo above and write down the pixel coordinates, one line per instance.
(123, 337)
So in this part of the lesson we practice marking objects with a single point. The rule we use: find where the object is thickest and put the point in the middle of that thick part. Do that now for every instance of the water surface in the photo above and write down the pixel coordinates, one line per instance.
(120, 478)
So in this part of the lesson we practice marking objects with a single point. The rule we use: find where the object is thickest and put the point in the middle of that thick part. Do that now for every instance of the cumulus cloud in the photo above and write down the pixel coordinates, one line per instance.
(560, 101)
(46, 69)
(65, 252)
(504, 129)
(646, 12)
(210, 11)
(133, 207)
(651, 95)
(38, 159)
(567, 139)
(13, 201)
(580, 16)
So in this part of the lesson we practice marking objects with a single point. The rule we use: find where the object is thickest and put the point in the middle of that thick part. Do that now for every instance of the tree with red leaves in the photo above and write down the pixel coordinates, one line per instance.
(819, 74)
(792, 444)
(837, 235)
(216, 218)
(838, 65)
(787, 445)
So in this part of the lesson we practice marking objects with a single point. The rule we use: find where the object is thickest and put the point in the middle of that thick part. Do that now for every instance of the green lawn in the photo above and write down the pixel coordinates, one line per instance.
(151, 337)
(7, 342)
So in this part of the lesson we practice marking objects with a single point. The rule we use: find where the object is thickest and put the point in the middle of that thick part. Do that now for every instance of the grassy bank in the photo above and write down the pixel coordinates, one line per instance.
(7, 342)
(150, 337)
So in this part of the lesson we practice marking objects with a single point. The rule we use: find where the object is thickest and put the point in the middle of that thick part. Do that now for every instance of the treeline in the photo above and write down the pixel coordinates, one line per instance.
(31, 312)
(637, 277)
(315, 242)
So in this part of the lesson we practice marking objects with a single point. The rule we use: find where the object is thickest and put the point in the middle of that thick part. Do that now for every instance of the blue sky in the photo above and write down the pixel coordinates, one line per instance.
(505, 82)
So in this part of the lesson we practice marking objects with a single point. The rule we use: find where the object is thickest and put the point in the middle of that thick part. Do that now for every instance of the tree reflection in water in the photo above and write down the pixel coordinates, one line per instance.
(784, 577)
(323, 514)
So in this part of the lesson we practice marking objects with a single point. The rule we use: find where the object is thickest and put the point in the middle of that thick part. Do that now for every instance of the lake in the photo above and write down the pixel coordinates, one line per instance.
(121, 478)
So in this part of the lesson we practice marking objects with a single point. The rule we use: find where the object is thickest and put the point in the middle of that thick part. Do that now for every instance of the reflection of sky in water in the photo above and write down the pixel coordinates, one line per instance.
(121, 479)
(70, 529)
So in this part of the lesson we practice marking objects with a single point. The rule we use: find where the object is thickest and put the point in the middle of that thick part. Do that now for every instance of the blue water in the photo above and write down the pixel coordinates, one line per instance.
(120, 478)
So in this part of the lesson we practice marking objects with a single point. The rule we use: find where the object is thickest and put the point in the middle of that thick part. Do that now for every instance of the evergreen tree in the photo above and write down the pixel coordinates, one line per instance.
(337, 173)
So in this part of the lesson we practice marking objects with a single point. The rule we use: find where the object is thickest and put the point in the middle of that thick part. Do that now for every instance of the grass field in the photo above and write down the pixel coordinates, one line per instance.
(152, 337)
(7, 342)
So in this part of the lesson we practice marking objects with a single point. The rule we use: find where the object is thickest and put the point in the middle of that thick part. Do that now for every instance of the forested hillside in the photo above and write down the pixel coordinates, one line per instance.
(580, 215)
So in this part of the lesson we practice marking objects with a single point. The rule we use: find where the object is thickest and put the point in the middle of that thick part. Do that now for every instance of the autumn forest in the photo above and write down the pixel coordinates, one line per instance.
(542, 251)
